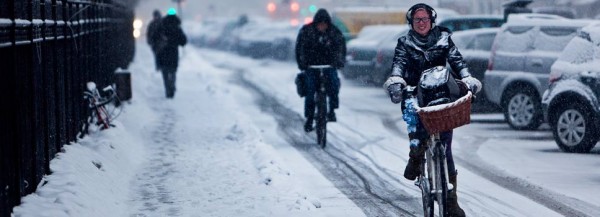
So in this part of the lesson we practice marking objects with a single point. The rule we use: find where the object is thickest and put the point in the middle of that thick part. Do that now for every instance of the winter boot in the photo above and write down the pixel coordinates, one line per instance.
(331, 116)
(308, 126)
(413, 168)
(453, 209)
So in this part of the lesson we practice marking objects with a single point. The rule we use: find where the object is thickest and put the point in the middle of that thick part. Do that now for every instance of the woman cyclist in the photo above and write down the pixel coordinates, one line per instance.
(425, 46)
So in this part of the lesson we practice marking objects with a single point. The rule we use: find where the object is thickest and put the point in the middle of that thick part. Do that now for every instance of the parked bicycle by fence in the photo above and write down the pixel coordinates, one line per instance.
(103, 108)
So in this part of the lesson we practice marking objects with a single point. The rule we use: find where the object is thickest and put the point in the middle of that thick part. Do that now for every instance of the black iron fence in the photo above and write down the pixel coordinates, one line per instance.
(49, 49)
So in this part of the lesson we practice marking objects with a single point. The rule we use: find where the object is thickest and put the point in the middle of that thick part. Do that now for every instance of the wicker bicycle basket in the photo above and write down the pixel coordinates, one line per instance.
(445, 117)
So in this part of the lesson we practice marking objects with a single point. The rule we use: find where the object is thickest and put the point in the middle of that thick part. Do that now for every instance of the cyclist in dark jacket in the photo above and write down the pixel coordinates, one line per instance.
(320, 43)
(168, 54)
(425, 46)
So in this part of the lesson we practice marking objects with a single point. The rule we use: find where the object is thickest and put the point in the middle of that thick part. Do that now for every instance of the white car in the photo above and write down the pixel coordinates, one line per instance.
(519, 66)
(572, 102)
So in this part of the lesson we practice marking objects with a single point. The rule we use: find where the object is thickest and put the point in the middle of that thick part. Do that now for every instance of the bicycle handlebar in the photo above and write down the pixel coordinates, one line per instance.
(100, 100)
(320, 66)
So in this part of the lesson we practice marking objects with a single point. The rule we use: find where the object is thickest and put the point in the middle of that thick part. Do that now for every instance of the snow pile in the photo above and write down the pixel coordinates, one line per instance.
(89, 178)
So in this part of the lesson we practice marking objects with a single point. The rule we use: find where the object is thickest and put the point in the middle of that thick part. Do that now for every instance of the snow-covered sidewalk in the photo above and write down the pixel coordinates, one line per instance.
(202, 153)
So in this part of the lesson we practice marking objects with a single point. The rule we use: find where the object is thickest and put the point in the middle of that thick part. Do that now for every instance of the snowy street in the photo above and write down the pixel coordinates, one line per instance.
(231, 143)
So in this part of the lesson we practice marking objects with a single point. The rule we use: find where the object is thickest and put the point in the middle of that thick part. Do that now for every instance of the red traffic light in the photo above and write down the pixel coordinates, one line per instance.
(295, 7)
(271, 7)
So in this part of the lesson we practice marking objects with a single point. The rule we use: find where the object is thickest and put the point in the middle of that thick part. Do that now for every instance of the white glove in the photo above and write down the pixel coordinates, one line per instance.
(473, 84)
(393, 80)
(393, 87)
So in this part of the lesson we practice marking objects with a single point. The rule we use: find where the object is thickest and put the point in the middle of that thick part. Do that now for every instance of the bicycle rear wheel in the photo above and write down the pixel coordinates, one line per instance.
(321, 127)
(441, 194)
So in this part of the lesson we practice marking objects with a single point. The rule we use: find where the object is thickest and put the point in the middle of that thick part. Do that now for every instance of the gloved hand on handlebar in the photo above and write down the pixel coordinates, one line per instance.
(473, 84)
(393, 87)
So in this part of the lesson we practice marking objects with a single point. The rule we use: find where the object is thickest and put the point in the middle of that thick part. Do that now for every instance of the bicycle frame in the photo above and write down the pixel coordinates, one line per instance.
(433, 179)
(321, 104)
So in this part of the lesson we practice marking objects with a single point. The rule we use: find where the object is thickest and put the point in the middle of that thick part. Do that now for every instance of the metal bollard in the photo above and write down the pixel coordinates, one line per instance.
(123, 82)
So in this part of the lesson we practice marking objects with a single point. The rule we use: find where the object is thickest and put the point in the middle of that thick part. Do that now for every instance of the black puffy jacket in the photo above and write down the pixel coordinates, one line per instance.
(320, 48)
(412, 57)
(170, 28)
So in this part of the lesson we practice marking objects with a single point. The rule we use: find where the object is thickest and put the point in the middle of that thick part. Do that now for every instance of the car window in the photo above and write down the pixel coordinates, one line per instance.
(375, 33)
(366, 35)
(553, 38)
(462, 41)
(518, 29)
(482, 42)
(515, 39)
(392, 40)
(578, 50)
(459, 24)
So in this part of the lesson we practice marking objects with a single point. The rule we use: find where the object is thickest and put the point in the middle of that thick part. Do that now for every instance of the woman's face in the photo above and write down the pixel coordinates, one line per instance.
(421, 22)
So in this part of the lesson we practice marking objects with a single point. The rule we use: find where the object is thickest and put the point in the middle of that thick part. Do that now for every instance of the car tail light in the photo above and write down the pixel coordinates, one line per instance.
(379, 58)
(554, 76)
(350, 55)
(491, 59)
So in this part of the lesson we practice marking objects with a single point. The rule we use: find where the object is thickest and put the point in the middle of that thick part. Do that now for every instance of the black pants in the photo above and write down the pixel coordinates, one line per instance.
(332, 87)
(169, 77)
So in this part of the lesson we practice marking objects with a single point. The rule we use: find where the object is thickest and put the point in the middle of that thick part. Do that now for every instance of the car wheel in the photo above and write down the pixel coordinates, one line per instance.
(574, 128)
(522, 109)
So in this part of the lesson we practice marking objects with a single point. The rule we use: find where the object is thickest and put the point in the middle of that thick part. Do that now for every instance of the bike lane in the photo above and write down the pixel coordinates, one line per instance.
(368, 139)
(205, 157)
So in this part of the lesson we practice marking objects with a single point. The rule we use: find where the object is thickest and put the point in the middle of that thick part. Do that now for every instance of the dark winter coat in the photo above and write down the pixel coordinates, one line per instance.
(415, 53)
(320, 48)
(168, 56)
(152, 36)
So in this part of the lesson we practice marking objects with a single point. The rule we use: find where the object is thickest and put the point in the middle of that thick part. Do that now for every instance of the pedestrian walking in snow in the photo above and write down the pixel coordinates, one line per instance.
(170, 37)
(152, 36)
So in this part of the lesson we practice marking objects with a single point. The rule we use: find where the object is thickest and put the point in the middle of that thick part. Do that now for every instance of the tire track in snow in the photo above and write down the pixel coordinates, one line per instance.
(347, 174)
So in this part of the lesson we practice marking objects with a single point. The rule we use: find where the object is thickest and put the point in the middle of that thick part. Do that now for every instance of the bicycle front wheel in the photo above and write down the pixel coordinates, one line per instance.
(441, 194)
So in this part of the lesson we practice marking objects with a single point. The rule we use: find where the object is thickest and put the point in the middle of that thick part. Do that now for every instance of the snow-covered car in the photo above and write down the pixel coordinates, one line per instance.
(363, 54)
(571, 104)
(385, 56)
(210, 33)
(466, 22)
(475, 45)
(274, 40)
(519, 66)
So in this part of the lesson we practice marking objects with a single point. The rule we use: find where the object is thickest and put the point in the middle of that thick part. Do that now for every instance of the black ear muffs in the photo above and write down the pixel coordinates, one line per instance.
(411, 12)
